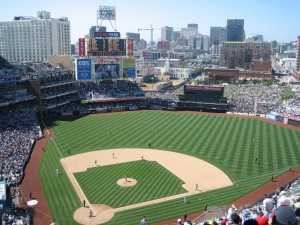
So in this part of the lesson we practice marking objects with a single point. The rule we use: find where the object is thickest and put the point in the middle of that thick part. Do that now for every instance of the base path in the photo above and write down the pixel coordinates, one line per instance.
(194, 173)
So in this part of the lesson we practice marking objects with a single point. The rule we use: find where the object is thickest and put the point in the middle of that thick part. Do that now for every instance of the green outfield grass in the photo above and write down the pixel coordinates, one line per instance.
(230, 143)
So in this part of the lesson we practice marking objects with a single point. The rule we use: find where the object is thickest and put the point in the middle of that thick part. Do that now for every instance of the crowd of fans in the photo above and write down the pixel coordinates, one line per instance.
(281, 207)
(109, 89)
(77, 106)
(291, 107)
(18, 131)
(11, 218)
(40, 66)
(170, 93)
(261, 99)
(4, 64)
(243, 97)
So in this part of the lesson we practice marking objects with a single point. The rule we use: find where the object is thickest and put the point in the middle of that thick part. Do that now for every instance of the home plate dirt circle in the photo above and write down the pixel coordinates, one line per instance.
(129, 182)
(101, 214)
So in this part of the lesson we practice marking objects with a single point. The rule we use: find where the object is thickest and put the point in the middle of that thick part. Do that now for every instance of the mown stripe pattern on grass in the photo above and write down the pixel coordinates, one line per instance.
(153, 182)
(230, 143)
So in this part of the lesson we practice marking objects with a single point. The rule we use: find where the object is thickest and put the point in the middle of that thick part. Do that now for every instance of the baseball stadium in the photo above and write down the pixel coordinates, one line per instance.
(108, 152)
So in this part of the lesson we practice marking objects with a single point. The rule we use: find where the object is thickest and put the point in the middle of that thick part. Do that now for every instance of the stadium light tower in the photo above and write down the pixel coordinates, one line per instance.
(106, 13)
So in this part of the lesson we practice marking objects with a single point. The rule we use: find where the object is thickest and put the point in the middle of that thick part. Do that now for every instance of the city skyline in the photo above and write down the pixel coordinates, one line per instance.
(275, 20)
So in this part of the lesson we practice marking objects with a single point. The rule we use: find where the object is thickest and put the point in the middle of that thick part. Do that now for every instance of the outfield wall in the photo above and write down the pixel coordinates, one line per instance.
(221, 109)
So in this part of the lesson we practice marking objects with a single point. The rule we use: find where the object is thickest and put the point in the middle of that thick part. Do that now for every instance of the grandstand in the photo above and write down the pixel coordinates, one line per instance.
(42, 91)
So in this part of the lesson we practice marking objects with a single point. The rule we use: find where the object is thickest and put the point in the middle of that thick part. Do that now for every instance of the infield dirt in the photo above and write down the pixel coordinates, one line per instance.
(194, 172)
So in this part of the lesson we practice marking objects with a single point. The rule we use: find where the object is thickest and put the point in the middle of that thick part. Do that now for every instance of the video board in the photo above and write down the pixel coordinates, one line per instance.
(107, 71)
(106, 47)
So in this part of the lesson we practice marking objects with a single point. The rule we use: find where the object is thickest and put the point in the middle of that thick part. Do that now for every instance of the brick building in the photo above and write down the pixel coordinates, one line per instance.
(258, 70)
(163, 45)
(241, 54)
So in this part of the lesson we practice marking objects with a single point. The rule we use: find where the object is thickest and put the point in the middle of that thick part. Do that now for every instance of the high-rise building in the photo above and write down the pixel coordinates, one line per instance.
(175, 35)
(136, 36)
(198, 42)
(206, 43)
(94, 29)
(191, 42)
(136, 39)
(33, 39)
(193, 26)
(235, 30)
(191, 30)
(73, 49)
(256, 38)
(181, 41)
(217, 35)
(297, 69)
(166, 33)
(142, 44)
(274, 45)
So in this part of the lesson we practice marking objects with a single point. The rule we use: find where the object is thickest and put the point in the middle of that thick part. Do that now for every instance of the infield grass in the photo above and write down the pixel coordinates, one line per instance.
(100, 184)
(230, 143)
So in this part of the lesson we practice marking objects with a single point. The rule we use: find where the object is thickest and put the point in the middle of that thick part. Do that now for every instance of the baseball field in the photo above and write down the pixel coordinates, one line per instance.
(95, 154)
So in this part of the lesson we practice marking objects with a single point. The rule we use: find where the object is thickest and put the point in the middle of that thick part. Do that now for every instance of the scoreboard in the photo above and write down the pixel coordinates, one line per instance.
(203, 93)
(106, 47)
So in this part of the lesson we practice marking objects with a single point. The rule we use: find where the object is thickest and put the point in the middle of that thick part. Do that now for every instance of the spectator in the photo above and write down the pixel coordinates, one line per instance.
(267, 205)
(262, 219)
(231, 210)
(284, 200)
(235, 218)
(284, 215)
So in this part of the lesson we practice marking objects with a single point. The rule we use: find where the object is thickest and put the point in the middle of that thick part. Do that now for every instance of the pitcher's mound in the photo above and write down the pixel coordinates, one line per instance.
(130, 182)
(101, 214)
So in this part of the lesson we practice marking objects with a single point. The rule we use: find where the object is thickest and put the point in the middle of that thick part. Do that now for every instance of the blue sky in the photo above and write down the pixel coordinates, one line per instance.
(275, 19)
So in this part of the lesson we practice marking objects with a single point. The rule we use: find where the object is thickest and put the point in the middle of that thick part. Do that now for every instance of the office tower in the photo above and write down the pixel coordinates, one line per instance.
(136, 36)
(33, 39)
(181, 41)
(94, 29)
(235, 30)
(258, 38)
(192, 42)
(193, 26)
(166, 33)
(217, 35)
(199, 41)
(91, 31)
(175, 35)
(73, 49)
(205, 43)
(191, 30)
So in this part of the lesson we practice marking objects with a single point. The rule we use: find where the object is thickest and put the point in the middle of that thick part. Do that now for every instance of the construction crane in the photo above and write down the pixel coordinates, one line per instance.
(151, 30)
